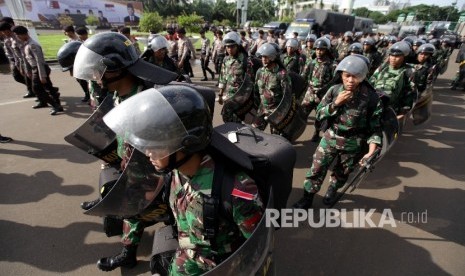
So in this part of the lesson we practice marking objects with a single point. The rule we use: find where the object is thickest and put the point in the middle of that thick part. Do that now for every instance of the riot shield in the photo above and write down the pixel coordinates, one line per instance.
(94, 137)
(422, 111)
(443, 66)
(298, 84)
(254, 256)
(136, 188)
(242, 101)
(288, 118)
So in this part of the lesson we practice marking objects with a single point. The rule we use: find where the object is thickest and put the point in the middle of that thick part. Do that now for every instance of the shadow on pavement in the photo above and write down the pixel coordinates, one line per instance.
(33, 188)
(49, 151)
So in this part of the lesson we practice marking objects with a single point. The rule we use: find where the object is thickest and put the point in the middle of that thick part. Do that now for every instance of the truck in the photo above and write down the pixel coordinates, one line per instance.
(364, 25)
(388, 29)
(316, 21)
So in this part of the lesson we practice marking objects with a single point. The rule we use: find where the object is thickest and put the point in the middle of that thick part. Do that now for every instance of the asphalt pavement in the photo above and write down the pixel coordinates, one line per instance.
(420, 181)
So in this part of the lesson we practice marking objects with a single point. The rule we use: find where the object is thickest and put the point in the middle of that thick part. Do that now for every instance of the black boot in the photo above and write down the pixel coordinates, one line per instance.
(86, 205)
(305, 202)
(213, 75)
(204, 78)
(127, 258)
(330, 195)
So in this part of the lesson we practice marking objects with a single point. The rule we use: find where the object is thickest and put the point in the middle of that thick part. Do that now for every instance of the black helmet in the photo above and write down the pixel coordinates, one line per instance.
(322, 43)
(418, 42)
(356, 48)
(66, 55)
(400, 48)
(369, 41)
(110, 52)
(354, 64)
(163, 121)
(409, 40)
(426, 48)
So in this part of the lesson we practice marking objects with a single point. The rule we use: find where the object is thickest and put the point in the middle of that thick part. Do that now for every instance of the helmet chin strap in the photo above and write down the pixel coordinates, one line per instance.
(173, 164)
(106, 81)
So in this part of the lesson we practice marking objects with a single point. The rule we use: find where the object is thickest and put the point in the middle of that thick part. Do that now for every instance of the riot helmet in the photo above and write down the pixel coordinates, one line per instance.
(293, 43)
(158, 42)
(310, 38)
(322, 43)
(349, 34)
(392, 39)
(232, 38)
(114, 52)
(356, 48)
(354, 64)
(400, 48)
(163, 121)
(426, 48)
(418, 42)
(66, 55)
(369, 41)
(270, 50)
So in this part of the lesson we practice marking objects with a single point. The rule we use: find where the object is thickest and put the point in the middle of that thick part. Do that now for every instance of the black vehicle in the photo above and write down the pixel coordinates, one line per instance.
(276, 26)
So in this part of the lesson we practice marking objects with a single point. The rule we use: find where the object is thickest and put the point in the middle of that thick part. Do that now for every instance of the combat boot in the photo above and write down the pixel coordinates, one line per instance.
(127, 258)
(305, 202)
(330, 195)
(86, 205)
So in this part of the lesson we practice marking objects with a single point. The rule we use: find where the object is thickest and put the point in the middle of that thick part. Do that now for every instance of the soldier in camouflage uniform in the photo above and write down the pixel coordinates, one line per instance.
(355, 48)
(375, 58)
(40, 72)
(353, 111)
(271, 82)
(292, 60)
(424, 74)
(309, 50)
(235, 70)
(396, 79)
(317, 73)
(343, 47)
(189, 168)
(126, 74)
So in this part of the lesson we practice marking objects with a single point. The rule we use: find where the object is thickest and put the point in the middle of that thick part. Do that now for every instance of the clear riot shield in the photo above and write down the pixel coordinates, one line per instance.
(298, 84)
(423, 109)
(94, 137)
(137, 187)
(242, 102)
(404, 119)
(255, 256)
(443, 66)
(288, 118)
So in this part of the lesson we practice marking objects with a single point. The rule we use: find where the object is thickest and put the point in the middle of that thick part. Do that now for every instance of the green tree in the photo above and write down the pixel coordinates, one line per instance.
(192, 22)
(151, 22)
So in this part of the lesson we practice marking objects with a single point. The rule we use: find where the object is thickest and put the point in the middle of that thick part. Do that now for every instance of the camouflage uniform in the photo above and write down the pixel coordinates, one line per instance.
(316, 74)
(294, 62)
(309, 53)
(397, 84)
(271, 84)
(352, 126)
(375, 59)
(233, 74)
(195, 255)
(342, 50)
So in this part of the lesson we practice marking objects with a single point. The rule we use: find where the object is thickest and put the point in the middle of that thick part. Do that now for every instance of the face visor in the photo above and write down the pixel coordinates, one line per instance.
(88, 65)
(148, 122)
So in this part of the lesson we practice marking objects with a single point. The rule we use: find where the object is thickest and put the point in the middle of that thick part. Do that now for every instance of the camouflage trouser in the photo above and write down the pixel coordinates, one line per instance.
(133, 228)
(261, 124)
(309, 102)
(322, 159)
(188, 262)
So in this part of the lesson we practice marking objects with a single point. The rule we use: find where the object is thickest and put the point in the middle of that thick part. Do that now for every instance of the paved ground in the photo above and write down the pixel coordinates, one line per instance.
(44, 179)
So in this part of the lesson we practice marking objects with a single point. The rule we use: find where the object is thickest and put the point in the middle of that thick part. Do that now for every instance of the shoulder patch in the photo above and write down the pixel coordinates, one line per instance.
(238, 193)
